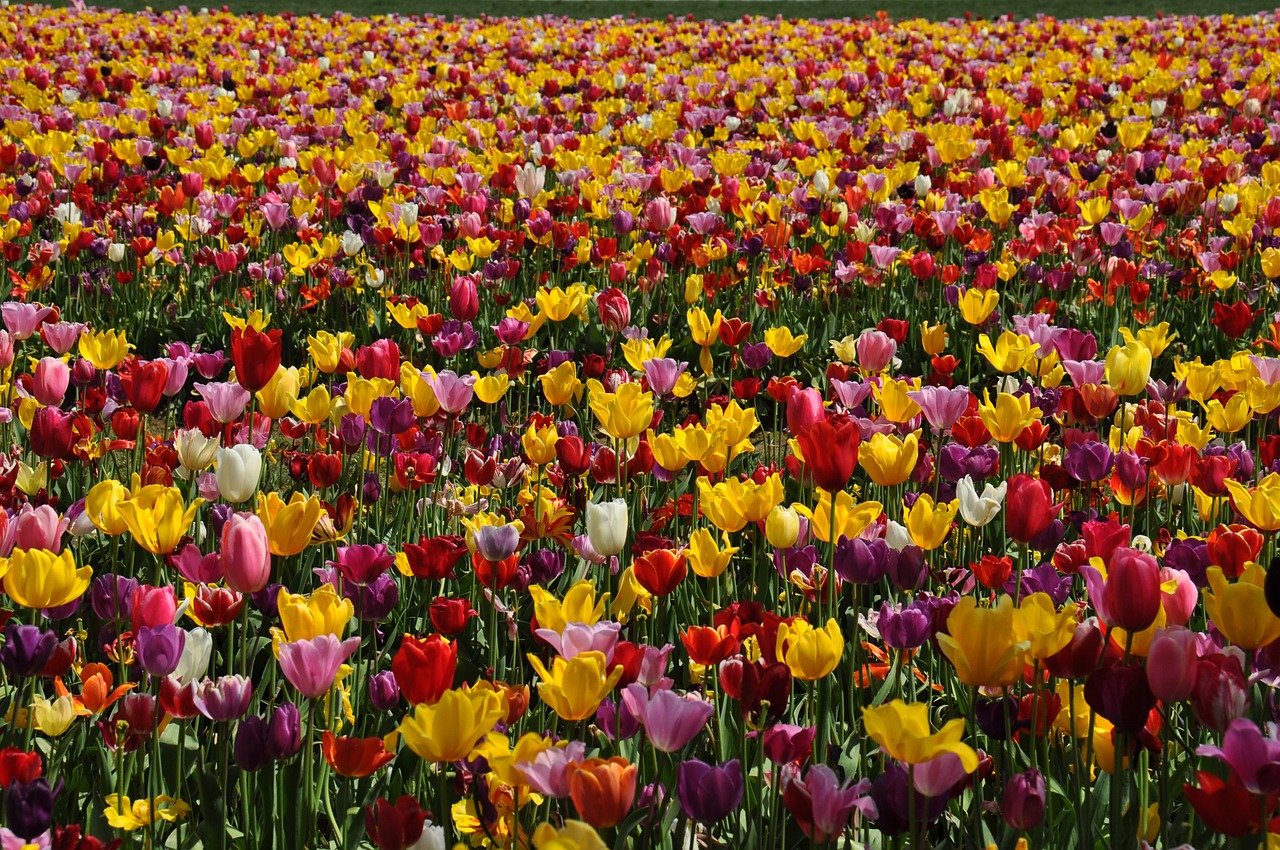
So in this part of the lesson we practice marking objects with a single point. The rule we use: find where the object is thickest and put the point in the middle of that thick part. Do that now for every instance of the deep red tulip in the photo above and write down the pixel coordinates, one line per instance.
(464, 302)
(615, 309)
(1210, 474)
(53, 433)
(424, 668)
(1225, 805)
(1234, 319)
(574, 455)
(1103, 537)
(1029, 507)
(394, 827)
(380, 359)
(1122, 695)
(707, 645)
(992, 572)
(256, 356)
(1221, 692)
(758, 686)
(1079, 657)
(324, 469)
(450, 616)
(19, 766)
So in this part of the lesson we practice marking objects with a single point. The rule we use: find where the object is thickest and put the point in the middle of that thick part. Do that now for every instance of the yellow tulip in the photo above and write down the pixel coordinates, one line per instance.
(1045, 630)
(850, 519)
(810, 654)
(903, 732)
(928, 523)
(539, 444)
(324, 612)
(102, 506)
(580, 605)
(158, 518)
(1011, 352)
(983, 645)
(54, 718)
(39, 579)
(1128, 368)
(782, 343)
(894, 402)
(313, 409)
(491, 388)
(889, 460)
(1239, 610)
(707, 558)
(623, 414)
(1231, 417)
(575, 688)
(104, 349)
(1007, 418)
(561, 385)
(933, 338)
(733, 503)
(558, 304)
(1259, 506)
(277, 398)
(289, 525)
(976, 305)
(450, 729)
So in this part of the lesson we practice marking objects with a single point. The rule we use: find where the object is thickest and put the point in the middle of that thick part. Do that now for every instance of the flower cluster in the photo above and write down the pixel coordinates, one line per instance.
(538, 433)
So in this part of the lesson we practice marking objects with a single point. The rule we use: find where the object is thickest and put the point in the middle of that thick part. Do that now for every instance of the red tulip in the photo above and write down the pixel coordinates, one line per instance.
(615, 309)
(1225, 805)
(380, 359)
(830, 449)
(1029, 507)
(464, 302)
(53, 433)
(1221, 692)
(1234, 319)
(256, 356)
(435, 557)
(660, 571)
(425, 668)
(1231, 547)
(450, 616)
(1130, 597)
(144, 384)
(707, 645)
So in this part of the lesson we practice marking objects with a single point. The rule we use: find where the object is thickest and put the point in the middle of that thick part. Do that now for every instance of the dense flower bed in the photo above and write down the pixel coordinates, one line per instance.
(569, 434)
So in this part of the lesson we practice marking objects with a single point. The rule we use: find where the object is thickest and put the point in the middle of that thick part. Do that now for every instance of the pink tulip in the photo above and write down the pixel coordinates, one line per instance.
(875, 351)
(671, 721)
(312, 665)
(1180, 602)
(578, 638)
(226, 400)
(548, 773)
(454, 392)
(61, 336)
(1172, 663)
(942, 406)
(38, 528)
(50, 380)
(23, 319)
(803, 409)
(246, 555)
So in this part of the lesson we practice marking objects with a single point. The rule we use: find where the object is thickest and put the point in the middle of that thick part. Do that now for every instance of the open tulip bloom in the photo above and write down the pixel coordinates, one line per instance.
(561, 434)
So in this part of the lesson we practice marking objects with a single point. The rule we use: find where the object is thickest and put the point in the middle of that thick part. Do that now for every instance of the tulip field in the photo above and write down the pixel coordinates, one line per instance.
(618, 433)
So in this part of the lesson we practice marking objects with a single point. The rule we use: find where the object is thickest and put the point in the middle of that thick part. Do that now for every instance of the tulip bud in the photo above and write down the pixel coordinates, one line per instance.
(1172, 663)
(50, 382)
(607, 526)
(1024, 800)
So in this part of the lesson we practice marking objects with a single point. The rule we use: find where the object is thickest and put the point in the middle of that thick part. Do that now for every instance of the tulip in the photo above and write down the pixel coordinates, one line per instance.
(1129, 368)
(49, 381)
(709, 793)
(424, 668)
(603, 791)
(830, 452)
(824, 805)
(29, 809)
(548, 773)
(804, 410)
(782, 527)
(623, 414)
(660, 571)
(887, 460)
(670, 721)
(239, 469)
(1029, 507)
(1121, 695)
(158, 518)
(256, 356)
(246, 554)
(312, 665)
(354, 758)
(160, 649)
(706, 557)
(195, 450)
(607, 526)
(929, 524)
(1129, 598)
(979, 510)
(1239, 610)
(809, 653)
(39, 579)
(1024, 800)
(903, 733)
(394, 827)
(223, 700)
(449, 730)
(1253, 758)
(289, 525)
(982, 643)
(1173, 661)
(574, 687)
(26, 649)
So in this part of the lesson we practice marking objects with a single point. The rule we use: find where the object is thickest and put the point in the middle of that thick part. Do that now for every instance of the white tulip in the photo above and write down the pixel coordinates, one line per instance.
(195, 450)
(978, 510)
(194, 662)
(239, 468)
(896, 536)
(607, 526)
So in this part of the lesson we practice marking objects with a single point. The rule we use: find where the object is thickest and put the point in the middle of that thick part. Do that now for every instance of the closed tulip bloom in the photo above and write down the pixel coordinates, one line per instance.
(36, 578)
(804, 410)
(660, 571)
(256, 356)
(246, 553)
(226, 401)
(902, 731)
(238, 472)
(1128, 596)
(312, 665)
(450, 729)
(50, 380)
(830, 452)
(1239, 609)
(574, 688)
(158, 517)
(978, 510)
(1129, 368)
(982, 645)
(424, 668)
(607, 526)
(1172, 663)
(625, 413)
(603, 791)
(1030, 507)
(197, 651)
(160, 648)
(929, 523)
(670, 721)
(809, 653)
(224, 699)
(26, 649)
(38, 528)
(782, 527)
(709, 793)
(888, 460)
(1024, 800)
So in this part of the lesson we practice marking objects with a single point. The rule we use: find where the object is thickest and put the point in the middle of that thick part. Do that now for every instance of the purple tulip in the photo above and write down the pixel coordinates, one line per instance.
(284, 732)
(26, 649)
(787, 744)
(160, 648)
(708, 793)
(250, 747)
(1024, 800)
(224, 699)
(1254, 757)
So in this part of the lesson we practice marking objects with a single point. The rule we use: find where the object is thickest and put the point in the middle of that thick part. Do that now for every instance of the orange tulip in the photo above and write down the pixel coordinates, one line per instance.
(602, 790)
(354, 757)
